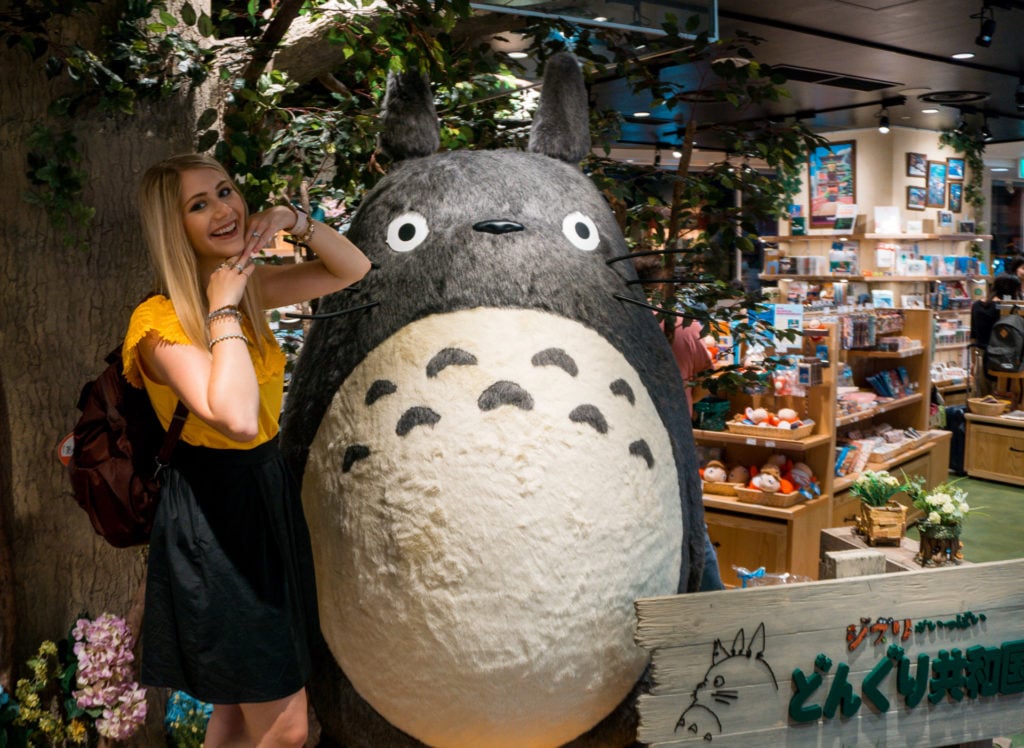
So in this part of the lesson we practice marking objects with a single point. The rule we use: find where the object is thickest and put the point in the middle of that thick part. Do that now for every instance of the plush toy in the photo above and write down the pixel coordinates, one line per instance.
(739, 474)
(494, 448)
(767, 480)
(714, 472)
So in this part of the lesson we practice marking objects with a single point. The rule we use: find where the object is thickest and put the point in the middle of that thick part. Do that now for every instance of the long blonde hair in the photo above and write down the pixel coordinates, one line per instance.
(173, 257)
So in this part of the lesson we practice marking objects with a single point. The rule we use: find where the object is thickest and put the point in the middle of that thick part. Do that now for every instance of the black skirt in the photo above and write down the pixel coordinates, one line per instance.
(230, 590)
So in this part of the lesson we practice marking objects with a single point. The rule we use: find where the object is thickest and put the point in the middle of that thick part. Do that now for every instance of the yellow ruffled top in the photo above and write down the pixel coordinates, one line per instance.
(156, 314)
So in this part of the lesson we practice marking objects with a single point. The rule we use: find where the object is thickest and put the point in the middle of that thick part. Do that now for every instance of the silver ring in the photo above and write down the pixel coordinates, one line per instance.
(257, 234)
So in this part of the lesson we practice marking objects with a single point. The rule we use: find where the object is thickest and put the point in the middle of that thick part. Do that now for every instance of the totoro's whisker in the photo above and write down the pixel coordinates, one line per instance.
(652, 281)
(726, 696)
(631, 255)
(329, 315)
(674, 313)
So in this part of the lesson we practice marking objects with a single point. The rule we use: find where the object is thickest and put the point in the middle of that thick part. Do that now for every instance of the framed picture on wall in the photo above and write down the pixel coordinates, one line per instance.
(832, 181)
(917, 163)
(954, 169)
(956, 197)
(936, 185)
(915, 198)
(965, 227)
(945, 220)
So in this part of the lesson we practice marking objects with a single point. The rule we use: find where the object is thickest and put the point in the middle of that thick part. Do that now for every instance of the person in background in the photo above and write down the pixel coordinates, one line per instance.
(230, 590)
(1016, 267)
(692, 357)
(984, 314)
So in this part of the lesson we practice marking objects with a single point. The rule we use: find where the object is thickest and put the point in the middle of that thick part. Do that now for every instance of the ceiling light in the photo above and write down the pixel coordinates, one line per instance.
(929, 111)
(641, 115)
(518, 55)
(988, 26)
(677, 154)
(986, 134)
(883, 122)
(600, 19)
(963, 56)
(1000, 168)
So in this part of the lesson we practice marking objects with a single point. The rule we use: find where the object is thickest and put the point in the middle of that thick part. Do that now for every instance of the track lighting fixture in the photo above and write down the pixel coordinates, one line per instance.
(988, 25)
(883, 122)
(986, 134)
(961, 125)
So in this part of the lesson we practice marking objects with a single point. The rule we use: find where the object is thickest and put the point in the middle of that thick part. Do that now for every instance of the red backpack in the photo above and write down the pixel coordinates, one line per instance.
(116, 453)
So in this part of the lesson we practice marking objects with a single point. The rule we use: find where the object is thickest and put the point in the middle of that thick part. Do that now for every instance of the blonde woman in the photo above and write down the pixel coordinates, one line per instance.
(230, 594)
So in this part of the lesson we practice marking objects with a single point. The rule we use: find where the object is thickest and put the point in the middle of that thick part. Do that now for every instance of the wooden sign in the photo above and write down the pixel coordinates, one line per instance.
(926, 658)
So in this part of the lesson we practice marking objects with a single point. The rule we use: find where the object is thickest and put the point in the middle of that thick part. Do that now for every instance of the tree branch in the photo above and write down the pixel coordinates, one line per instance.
(266, 45)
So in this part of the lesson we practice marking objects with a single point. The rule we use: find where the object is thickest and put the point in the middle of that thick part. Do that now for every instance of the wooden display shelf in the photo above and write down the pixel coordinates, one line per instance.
(994, 448)
(855, 352)
(868, 278)
(843, 483)
(751, 535)
(878, 237)
(878, 409)
(727, 437)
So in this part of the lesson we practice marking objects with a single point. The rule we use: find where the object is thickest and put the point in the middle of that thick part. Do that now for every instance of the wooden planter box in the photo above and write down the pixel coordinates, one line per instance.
(882, 525)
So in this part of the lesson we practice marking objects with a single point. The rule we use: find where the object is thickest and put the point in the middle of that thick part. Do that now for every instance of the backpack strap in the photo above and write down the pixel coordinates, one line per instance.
(163, 458)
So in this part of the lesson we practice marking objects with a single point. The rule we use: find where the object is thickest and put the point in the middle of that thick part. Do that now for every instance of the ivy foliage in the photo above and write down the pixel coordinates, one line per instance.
(315, 141)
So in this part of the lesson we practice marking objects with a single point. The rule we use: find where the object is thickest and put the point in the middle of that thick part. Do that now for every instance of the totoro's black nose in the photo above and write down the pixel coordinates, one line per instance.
(497, 226)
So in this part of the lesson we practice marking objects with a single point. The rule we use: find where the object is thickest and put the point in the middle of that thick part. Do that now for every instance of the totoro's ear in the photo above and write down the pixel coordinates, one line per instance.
(409, 119)
(757, 641)
(561, 127)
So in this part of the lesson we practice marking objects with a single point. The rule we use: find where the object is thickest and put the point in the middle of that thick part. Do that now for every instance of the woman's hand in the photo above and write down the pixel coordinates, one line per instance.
(263, 227)
(227, 282)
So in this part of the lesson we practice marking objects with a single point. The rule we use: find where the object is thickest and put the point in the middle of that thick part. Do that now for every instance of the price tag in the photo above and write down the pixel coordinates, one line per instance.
(752, 442)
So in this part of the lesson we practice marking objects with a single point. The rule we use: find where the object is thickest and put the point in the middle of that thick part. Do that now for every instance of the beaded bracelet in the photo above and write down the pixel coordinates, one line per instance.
(228, 337)
(225, 311)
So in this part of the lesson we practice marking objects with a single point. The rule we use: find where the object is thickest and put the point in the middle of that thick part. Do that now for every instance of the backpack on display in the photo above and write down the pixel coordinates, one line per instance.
(1005, 350)
(116, 453)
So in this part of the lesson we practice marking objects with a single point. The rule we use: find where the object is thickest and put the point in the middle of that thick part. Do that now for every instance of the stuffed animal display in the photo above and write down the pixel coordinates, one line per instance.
(494, 448)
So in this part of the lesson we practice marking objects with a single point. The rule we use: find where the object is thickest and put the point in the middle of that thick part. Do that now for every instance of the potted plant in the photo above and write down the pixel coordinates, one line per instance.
(945, 508)
(882, 519)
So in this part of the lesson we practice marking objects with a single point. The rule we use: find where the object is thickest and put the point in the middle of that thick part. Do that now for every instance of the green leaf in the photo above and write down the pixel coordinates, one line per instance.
(207, 140)
(207, 118)
(188, 14)
(206, 26)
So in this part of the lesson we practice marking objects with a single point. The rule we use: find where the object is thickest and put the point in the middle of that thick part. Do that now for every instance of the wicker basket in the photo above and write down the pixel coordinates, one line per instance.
(770, 432)
(721, 488)
(987, 406)
(764, 498)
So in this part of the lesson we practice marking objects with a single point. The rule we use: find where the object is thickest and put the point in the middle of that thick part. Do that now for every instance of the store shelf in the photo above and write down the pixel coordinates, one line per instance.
(727, 437)
(843, 483)
(877, 410)
(733, 504)
(878, 237)
(871, 353)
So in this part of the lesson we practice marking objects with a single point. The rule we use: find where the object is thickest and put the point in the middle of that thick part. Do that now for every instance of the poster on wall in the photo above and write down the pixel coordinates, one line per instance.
(832, 181)
(936, 185)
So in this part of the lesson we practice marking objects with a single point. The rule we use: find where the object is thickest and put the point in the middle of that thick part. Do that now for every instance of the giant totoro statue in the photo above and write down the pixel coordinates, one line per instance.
(495, 451)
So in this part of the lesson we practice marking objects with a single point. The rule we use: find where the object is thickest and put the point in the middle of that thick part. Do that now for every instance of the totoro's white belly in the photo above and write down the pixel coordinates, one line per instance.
(488, 493)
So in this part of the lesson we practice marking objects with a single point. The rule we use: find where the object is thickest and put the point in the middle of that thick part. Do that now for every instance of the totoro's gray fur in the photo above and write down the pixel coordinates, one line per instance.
(460, 268)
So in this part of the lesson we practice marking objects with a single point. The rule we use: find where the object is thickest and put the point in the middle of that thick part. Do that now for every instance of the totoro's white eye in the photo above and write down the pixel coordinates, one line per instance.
(581, 231)
(407, 231)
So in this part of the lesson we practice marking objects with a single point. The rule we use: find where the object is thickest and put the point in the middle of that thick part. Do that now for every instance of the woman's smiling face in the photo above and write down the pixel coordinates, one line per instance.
(214, 214)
